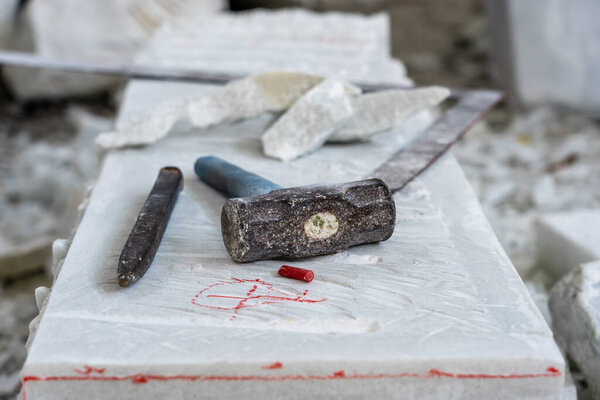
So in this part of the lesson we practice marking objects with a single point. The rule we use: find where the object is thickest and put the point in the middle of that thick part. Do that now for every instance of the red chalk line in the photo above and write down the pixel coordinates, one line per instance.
(551, 372)
(240, 302)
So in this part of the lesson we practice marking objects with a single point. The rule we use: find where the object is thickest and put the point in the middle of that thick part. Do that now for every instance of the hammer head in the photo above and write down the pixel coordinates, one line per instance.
(308, 220)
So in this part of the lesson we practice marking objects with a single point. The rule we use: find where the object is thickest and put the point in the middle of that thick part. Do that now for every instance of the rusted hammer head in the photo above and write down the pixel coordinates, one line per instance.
(296, 222)
(308, 220)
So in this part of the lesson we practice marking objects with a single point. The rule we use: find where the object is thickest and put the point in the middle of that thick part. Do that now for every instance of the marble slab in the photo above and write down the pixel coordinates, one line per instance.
(436, 312)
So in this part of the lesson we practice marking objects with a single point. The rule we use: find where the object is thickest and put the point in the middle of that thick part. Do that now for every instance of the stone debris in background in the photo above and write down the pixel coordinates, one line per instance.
(575, 307)
(567, 239)
(7, 15)
(249, 43)
(547, 54)
(41, 183)
(309, 122)
(523, 165)
(112, 30)
(17, 309)
(380, 111)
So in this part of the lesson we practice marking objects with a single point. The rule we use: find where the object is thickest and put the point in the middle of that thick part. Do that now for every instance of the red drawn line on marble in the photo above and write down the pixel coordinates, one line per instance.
(243, 301)
(275, 365)
(551, 372)
(89, 370)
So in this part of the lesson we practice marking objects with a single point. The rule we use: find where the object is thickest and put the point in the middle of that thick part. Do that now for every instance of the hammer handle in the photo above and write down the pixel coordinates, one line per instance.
(230, 180)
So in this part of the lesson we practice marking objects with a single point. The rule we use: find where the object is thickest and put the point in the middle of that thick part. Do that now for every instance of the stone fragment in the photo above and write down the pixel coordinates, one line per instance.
(380, 111)
(245, 98)
(22, 259)
(145, 128)
(567, 239)
(250, 97)
(575, 307)
(309, 122)
(41, 293)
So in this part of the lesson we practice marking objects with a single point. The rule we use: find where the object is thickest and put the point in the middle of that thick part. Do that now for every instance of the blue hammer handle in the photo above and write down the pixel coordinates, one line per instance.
(230, 180)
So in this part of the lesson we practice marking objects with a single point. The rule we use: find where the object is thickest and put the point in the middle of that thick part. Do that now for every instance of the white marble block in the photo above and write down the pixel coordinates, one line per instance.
(435, 312)
(567, 239)
(546, 52)
(575, 307)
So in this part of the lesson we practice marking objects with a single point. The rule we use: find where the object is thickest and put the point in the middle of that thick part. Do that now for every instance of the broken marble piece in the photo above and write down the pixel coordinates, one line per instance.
(240, 99)
(423, 290)
(575, 307)
(309, 122)
(145, 128)
(250, 97)
(567, 239)
(380, 111)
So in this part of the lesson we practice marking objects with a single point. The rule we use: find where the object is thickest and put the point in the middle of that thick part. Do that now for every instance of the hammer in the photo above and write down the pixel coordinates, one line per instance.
(261, 220)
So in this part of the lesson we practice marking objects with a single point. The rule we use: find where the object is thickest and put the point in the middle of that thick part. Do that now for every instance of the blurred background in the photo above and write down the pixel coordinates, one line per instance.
(537, 153)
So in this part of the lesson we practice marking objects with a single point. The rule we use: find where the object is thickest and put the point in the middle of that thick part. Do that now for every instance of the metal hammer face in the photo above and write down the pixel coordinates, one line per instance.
(306, 221)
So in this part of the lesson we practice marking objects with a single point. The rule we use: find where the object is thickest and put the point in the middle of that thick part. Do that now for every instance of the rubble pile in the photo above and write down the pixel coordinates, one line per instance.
(525, 164)
(42, 176)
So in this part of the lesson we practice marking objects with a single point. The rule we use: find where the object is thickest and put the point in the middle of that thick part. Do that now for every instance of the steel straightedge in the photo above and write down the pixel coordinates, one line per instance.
(145, 237)
(430, 145)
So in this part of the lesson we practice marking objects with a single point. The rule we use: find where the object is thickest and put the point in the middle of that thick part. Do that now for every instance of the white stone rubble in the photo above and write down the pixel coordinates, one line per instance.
(567, 239)
(380, 111)
(309, 122)
(295, 133)
(523, 165)
(239, 99)
(575, 308)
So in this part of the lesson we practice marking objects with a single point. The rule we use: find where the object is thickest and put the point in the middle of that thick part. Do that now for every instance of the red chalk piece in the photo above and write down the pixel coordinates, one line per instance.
(296, 273)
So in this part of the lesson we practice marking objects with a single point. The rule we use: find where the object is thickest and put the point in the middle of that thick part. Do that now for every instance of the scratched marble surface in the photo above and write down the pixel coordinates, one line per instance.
(440, 294)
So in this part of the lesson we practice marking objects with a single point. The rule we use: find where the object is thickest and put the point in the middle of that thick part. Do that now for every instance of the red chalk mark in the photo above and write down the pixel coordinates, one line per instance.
(270, 295)
(275, 365)
(339, 374)
(88, 370)
(551, 372)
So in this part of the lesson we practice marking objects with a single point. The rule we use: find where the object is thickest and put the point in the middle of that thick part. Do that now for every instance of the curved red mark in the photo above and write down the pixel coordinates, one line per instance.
(251, 298)
(275, 365)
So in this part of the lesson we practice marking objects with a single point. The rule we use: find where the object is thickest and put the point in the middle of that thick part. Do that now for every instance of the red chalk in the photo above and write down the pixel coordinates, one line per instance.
(296, 273)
